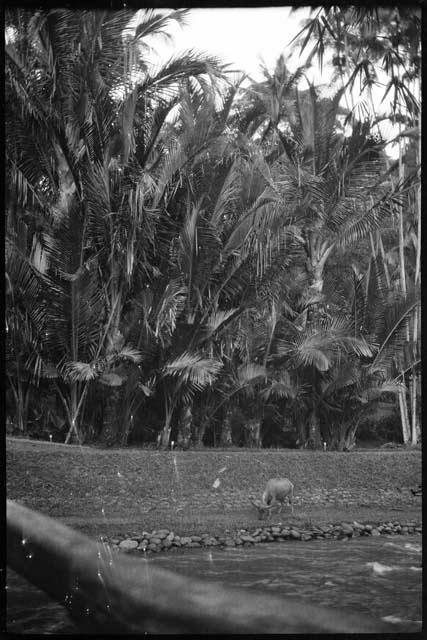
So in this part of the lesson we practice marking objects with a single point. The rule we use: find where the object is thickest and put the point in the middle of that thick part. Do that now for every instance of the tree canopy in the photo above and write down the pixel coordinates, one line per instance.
(194, 260)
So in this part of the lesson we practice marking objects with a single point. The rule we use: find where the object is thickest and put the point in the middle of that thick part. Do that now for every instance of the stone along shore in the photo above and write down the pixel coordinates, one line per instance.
(165, 540)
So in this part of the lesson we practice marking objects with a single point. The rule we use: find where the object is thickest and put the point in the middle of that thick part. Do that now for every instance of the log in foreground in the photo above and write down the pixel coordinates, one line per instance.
(106, 593)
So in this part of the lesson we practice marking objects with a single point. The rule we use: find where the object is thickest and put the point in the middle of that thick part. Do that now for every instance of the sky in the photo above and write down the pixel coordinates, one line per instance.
(241, 36)
(245, 37)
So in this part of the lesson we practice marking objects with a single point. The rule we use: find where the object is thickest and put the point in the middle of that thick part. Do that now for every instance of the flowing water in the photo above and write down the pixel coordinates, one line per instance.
(380, 577)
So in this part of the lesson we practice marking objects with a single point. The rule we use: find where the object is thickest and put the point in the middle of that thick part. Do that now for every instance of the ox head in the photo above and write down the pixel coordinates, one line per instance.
(262, 508)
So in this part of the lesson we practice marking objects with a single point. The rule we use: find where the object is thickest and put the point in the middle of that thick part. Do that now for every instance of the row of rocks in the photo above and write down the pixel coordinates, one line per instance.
(164, 539)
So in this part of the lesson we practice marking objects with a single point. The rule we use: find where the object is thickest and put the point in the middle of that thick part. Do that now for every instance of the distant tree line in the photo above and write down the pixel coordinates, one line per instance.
(210, 263)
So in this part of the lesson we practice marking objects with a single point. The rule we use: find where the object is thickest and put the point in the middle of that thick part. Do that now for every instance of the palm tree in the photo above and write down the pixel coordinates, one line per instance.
(335, 196)
(76, 84)
(211, 228)
(381, 47)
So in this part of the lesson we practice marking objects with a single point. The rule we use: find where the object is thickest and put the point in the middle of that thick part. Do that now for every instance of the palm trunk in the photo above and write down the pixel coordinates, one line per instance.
(77, 398)
(319, 252)
(21, 397)
(112, 425)
(226, 439)
(404, 413)
(166, 431)
(184, 432)
(350, 435)
(253, 433)
(301, 434)
(129, 406)
(416, 432)
(414, 415)
(314, 437)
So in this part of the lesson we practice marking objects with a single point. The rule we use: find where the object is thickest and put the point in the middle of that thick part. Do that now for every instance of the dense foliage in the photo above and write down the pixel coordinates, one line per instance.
(203, 262)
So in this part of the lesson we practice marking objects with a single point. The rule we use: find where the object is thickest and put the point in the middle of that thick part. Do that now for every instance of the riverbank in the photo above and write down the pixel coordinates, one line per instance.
(164, 540)
(125, 493)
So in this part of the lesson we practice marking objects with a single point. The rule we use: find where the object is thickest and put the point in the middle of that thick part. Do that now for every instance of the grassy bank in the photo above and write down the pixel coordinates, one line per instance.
(111, 491)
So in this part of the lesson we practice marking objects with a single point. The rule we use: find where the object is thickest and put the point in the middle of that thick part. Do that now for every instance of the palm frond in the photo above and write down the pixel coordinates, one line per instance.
(393, 339)
(80, 371)
(369, 219)
(129, 354)
(111, 379)
(228, 195)
(169, 308)
(250, 373)
(193, 369)
(218, 319)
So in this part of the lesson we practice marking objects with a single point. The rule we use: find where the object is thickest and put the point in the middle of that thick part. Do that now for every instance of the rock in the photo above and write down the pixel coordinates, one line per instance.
(347, 529)
(128, 544)
(162, 533)
(196, 538)
(375, 532)
(294, 533)
(306, 536)
(166, 544)
(247, 538)
(210, 542)
(170, 536)
(142, 545)
(325, 528)
(193, 544)
(368, 527)
(155, 540)
(152, 547)
(229, 542)
(176, 543)
(185, 540)
(115, 540)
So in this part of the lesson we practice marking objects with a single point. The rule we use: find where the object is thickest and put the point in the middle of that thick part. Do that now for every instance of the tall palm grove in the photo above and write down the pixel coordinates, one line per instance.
(205, 261)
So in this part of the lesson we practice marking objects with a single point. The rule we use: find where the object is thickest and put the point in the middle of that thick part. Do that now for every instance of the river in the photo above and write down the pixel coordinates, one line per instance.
(378, 576)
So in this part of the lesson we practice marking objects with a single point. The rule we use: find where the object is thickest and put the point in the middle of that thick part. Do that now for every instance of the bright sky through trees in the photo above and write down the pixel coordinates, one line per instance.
(247, 37)
(241, 36)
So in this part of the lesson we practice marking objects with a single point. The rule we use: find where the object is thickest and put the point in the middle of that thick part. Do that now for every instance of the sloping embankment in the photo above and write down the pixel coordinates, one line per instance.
(73, 481)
